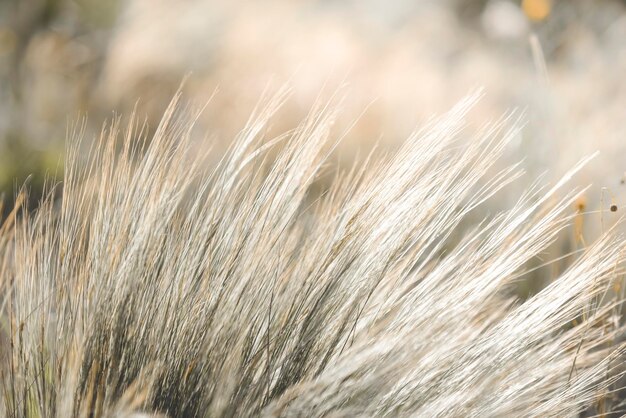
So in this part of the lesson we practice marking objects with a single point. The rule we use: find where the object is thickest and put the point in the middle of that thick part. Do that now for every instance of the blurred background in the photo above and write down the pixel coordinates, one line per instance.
(562, 62)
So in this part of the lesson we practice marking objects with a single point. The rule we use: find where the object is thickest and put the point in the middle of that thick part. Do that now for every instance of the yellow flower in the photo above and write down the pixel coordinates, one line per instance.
(536, 10)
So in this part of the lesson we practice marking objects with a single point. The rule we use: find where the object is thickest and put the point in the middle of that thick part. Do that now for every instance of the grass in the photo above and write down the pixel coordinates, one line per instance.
(155, 286)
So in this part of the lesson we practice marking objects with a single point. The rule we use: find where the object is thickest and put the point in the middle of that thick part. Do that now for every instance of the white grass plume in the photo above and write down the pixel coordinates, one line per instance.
(154, 288)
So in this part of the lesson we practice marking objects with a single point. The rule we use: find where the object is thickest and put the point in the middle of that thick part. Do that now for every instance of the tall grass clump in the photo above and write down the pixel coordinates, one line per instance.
(155, 286)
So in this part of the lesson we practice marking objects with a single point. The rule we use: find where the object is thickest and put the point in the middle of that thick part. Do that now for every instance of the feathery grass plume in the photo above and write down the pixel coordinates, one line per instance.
(155, 287)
